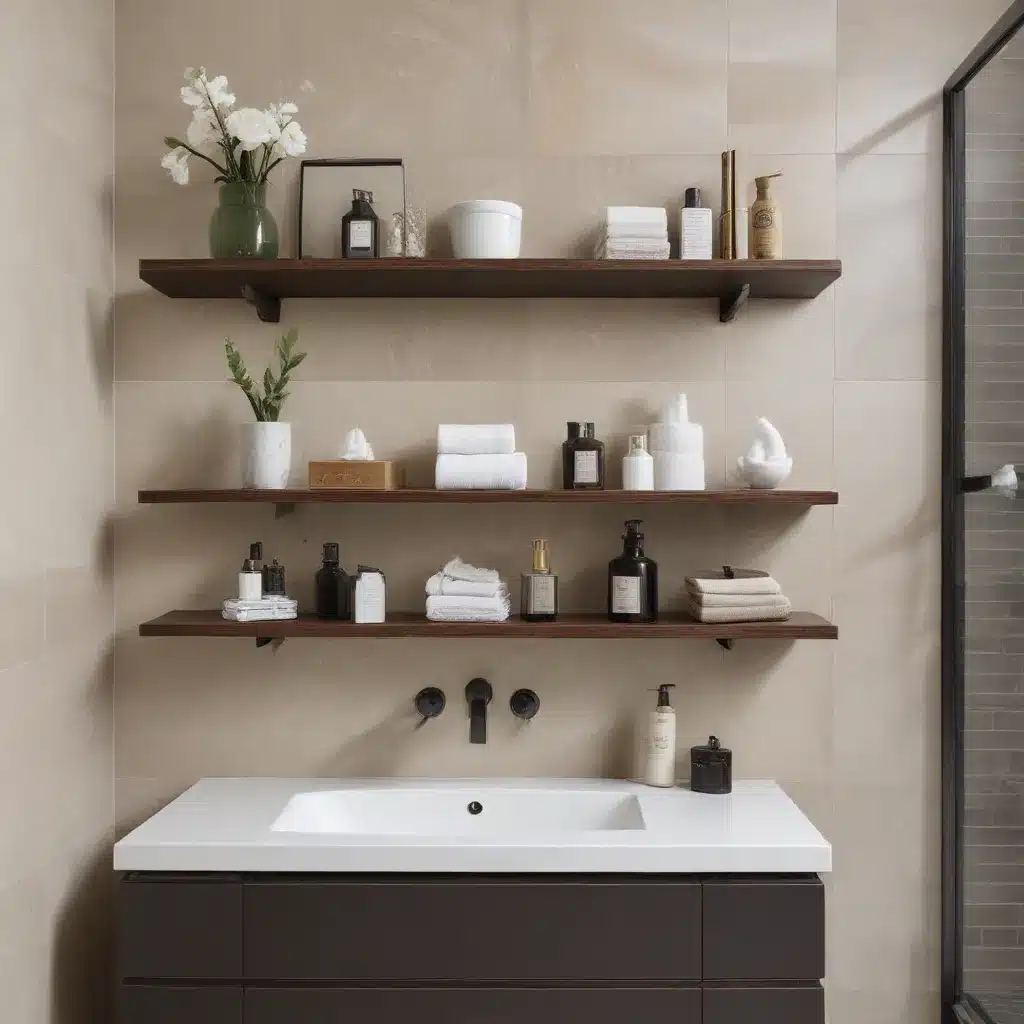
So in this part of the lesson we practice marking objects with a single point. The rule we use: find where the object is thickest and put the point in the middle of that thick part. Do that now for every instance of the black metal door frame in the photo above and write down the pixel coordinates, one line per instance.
(955, 1007)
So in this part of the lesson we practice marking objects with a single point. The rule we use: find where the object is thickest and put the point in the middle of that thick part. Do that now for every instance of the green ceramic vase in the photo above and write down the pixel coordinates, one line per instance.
(242, 225)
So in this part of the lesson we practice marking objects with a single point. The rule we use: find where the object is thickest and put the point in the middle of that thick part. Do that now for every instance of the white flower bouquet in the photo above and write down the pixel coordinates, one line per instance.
(243, 145)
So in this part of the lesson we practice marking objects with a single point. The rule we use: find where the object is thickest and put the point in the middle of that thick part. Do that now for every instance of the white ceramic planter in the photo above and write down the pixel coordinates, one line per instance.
(486, 229)
(266, 455)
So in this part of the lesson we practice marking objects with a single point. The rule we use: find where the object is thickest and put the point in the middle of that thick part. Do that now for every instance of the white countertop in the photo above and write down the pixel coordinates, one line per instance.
(229, 825)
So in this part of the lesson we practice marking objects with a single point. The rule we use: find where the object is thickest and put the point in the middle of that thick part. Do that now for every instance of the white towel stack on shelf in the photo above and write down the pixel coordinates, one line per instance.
(634, 233)
(461, 592)
(677, 446)
(480, 457)
(736, 595)
(267, 609)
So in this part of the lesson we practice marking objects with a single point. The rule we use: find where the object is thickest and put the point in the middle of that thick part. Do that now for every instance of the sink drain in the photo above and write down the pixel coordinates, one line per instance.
(475, 807)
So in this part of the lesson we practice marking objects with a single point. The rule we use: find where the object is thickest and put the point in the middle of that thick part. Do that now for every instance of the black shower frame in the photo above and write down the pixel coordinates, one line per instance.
(956, 1004)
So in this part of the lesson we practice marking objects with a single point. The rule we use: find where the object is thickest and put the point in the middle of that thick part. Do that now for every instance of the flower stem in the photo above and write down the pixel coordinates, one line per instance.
(177, 143)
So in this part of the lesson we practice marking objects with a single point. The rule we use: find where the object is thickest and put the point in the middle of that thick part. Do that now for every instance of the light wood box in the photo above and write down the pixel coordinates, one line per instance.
(348, 475)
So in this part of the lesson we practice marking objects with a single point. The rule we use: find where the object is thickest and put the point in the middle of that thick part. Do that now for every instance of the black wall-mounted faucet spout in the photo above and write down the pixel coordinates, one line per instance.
(478, 696)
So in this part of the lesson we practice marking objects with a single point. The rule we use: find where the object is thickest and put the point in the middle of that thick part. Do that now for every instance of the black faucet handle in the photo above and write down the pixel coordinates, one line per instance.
(430, 702)
(524, 704)
(479, 689)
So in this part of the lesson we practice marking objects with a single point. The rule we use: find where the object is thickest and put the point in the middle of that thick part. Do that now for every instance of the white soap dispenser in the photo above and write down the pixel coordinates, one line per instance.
(661, 742)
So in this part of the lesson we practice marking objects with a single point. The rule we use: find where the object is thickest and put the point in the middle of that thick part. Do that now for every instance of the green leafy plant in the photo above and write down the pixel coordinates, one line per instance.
(267, 406)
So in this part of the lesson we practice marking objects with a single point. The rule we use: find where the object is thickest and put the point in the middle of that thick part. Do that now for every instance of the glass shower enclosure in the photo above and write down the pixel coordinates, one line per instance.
(983, 533)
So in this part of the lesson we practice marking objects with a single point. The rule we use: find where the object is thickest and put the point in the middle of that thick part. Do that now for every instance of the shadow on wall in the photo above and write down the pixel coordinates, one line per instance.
(83, 950)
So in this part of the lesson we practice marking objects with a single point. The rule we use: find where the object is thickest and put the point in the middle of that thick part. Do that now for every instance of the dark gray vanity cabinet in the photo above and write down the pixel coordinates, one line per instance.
(447, 949)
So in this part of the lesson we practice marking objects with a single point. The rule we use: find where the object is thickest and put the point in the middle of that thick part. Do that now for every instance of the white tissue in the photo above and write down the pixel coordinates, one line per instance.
(356, 447)
(766, 463)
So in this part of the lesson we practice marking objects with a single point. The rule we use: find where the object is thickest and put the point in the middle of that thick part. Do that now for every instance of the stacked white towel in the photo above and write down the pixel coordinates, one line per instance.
(461, 592)
(266, 609)
(736, 595)
(478, 456)
(634, 233)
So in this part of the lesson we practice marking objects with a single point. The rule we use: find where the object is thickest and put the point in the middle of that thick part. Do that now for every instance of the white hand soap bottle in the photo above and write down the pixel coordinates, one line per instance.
(661, 742)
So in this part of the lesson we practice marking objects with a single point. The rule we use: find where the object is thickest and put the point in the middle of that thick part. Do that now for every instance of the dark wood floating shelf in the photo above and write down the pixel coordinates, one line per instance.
(264, 283)
(302, 496)
(800, 626)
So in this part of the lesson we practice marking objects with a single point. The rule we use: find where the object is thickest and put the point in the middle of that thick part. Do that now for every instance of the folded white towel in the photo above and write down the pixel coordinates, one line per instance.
(476, 439)
(744, 582)
(752, 613)
(480, 472)
(633, 250)
(440, 585)
(637, 215)
(457, 569)
(468, 609)
(266, 609)
(737, 600)
(653, 232)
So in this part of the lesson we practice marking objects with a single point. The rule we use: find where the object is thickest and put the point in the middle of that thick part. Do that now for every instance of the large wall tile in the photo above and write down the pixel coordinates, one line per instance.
(782, 76)
(894, 59)
(889, 301)
(608, 78)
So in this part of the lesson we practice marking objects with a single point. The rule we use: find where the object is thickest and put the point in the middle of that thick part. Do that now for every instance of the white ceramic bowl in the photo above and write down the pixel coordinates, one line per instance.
(764, 475)
(486, 229)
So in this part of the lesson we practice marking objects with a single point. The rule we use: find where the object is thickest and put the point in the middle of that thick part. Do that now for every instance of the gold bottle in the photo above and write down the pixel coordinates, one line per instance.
(539, 597)
(765, 222)
(727, 222)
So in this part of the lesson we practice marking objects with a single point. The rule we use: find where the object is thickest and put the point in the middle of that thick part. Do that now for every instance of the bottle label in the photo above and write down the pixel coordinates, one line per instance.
(585, 467)
(626, 595)
(360, 234)
(542, 595)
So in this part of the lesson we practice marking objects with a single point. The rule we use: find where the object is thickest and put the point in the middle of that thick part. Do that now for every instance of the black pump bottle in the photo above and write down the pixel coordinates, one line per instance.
(632, 580)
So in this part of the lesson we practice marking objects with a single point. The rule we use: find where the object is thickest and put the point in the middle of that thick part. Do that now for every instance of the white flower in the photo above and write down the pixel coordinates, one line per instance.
(199, 91)
(253, 128)
(202, 128)
(176, 162)
(292, 141)
(282, 112)
(218, 90)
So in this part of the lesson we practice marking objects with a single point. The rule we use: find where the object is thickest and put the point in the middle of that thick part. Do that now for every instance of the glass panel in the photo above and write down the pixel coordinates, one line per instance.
(993, 841)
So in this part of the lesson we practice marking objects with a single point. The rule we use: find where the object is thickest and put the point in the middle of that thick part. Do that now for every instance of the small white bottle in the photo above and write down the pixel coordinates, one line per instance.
(638, 465)
(250, 579)
(370, 596)
(661, 742)
(696, 228)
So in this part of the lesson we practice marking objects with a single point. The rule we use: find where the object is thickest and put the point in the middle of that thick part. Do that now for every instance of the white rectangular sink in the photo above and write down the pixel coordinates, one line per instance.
(459, 811)
(473, 825)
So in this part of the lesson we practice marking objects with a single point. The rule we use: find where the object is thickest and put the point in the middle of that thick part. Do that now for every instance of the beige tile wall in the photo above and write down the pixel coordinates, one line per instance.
(56, 593)
(567, 106)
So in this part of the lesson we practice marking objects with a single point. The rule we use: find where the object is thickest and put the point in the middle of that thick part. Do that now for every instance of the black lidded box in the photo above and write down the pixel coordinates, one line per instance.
(711, 767)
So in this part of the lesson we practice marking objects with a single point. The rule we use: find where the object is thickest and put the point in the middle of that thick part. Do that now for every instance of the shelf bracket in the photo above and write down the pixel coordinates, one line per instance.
(283, 508)
(726, 645)
(729, 305)
(268, 307)
(272, 641)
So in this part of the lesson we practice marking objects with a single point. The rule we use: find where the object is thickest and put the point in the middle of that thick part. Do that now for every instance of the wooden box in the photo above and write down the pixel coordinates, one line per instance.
(346, 475)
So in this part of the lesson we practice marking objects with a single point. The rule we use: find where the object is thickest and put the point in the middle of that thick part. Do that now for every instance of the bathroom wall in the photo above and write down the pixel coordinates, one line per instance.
(994, 738)
(567, 106)
(56, 595)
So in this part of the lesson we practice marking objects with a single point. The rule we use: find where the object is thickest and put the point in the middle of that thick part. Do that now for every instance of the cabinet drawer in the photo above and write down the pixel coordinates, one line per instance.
(743, 1004)
(764, 929)
(471, 1006)
(152, 1004)
(182, 927)
(472, 930)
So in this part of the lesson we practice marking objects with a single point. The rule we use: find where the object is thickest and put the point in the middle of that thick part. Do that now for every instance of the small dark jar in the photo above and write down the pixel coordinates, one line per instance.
(710, 767)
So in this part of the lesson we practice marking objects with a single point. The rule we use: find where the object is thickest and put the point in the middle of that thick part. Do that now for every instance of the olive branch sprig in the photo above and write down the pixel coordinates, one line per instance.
(267, 406)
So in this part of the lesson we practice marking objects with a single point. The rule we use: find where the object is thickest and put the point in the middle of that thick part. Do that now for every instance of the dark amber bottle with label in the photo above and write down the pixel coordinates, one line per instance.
(333, 587)
(360, 228)
(633, 580)
(582, 459)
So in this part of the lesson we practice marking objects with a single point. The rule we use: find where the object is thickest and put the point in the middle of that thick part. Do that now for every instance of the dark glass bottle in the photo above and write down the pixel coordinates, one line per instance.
(360, 228)
(333, 587)
(632, 580)
(582, 459)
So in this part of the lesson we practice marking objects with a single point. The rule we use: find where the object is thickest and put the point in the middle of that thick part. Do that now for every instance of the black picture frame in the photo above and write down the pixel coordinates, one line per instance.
(337, 162)
(957, 1006)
